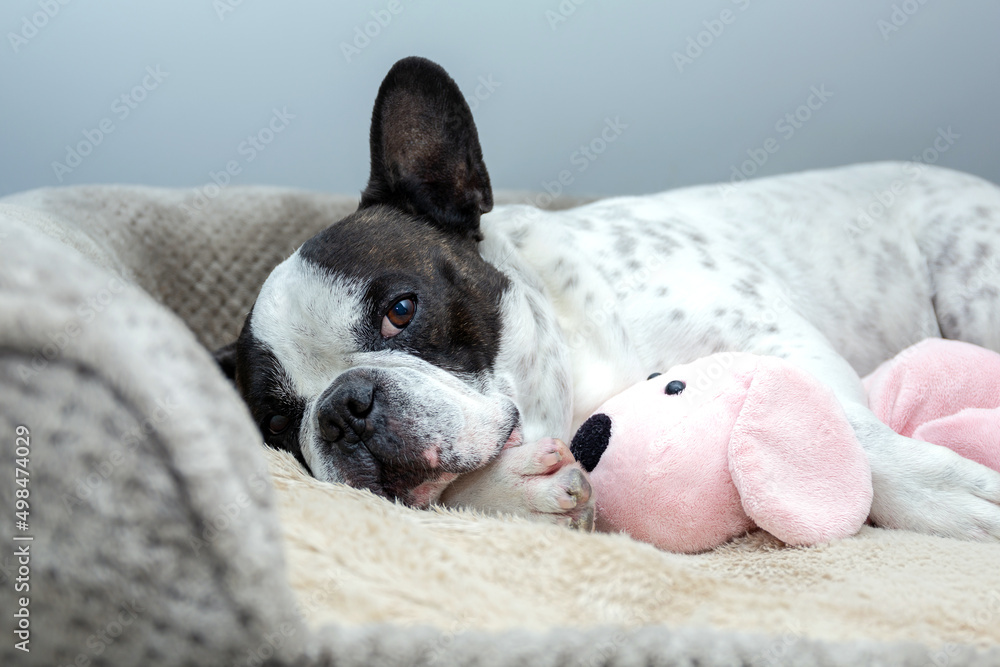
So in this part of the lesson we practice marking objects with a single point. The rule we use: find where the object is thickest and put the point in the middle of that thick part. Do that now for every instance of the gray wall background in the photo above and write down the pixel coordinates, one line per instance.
(897, 72)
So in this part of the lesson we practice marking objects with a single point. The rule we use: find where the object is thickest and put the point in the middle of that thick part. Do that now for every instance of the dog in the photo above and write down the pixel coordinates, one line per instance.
(433, 350)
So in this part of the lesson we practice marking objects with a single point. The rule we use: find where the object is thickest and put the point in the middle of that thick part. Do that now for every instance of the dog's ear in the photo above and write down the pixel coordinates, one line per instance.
(425, 153)
(225, 356)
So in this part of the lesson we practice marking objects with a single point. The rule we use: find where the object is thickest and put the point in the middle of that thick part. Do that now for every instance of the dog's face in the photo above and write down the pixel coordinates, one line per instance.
(370, 352)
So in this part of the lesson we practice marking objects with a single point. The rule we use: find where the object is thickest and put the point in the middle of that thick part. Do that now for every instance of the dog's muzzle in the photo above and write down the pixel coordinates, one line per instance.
(387, 431)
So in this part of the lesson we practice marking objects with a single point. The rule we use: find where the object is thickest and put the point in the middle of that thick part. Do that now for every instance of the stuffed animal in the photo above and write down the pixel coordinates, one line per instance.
(694, 457)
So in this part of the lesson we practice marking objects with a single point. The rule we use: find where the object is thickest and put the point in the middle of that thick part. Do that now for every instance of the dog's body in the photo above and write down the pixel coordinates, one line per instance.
(413, 351)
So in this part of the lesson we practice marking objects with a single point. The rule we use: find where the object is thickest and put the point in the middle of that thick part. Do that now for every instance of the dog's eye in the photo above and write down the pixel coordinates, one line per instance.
(277, 424)
(674, 387)
(398, 317)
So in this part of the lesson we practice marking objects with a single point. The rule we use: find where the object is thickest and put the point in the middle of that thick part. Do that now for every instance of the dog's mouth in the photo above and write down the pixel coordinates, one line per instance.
(515, 438)
(426, 493)
(436, 469)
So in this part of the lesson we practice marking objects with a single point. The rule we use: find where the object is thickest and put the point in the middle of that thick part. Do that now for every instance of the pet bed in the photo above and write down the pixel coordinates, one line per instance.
(163, 533)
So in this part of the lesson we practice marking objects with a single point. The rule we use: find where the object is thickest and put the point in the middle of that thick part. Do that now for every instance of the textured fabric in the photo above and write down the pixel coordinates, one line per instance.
(205, 259)
(180, 538)
(377, 645)
(151, 514)
(464, 572)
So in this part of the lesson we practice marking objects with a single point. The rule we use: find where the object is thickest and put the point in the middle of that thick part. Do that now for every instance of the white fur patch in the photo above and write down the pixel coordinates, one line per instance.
(308, 319)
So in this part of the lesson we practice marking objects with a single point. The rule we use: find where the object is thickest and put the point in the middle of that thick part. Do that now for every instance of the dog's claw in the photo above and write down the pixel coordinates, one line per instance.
(579, 487)
(585, 520)
(580, 491)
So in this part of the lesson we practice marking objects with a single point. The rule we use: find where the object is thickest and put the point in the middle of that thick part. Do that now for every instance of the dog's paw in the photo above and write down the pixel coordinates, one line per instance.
(539, 480)
(553, 484)
(931, 489)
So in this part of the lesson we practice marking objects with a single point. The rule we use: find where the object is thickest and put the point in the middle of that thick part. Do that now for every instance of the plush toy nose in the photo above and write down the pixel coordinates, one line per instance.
(591, 440)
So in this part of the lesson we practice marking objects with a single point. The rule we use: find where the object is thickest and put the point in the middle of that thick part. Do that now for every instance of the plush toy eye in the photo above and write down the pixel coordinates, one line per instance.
(654, 375)
(674, 387)
(398, 317)
(277, 424)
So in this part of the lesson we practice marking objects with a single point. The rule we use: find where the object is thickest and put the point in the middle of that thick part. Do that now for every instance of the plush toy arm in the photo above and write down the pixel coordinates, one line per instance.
(800, 471)
(942, 391)
(974, 433)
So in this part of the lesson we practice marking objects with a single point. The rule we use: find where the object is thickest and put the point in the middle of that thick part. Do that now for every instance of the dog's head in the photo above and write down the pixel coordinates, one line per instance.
(370, 352)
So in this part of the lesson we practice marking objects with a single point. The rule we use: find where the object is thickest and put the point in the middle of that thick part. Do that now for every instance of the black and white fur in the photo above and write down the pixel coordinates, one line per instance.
(525, 321)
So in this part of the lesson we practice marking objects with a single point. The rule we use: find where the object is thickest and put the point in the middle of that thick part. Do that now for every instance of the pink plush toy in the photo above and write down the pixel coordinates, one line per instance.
(942, 391)
(694, 457)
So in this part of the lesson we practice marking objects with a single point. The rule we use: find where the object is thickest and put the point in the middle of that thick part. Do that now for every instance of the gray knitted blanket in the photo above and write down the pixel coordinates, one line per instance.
(154, 529)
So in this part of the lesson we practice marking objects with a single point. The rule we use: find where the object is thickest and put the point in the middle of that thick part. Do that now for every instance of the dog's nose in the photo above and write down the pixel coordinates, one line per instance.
(344, 411)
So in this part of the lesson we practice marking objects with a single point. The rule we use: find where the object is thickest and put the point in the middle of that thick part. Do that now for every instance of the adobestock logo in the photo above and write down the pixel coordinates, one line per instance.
(562, 12)
(881, 201)
(250, 148)
(37, 21)
(899, 17)
(363, 35)
(582, 158)
(786, 126)
(223, 7)
(59, 339)
(699, 43)
(485, 87)
(122, 107)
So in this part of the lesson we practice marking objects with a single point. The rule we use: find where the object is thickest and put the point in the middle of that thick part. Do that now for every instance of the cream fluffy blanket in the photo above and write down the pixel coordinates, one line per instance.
(353, 558)
(464, 571)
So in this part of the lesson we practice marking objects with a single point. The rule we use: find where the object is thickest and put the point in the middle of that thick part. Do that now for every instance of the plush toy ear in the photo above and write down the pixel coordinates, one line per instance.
(801, 474)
